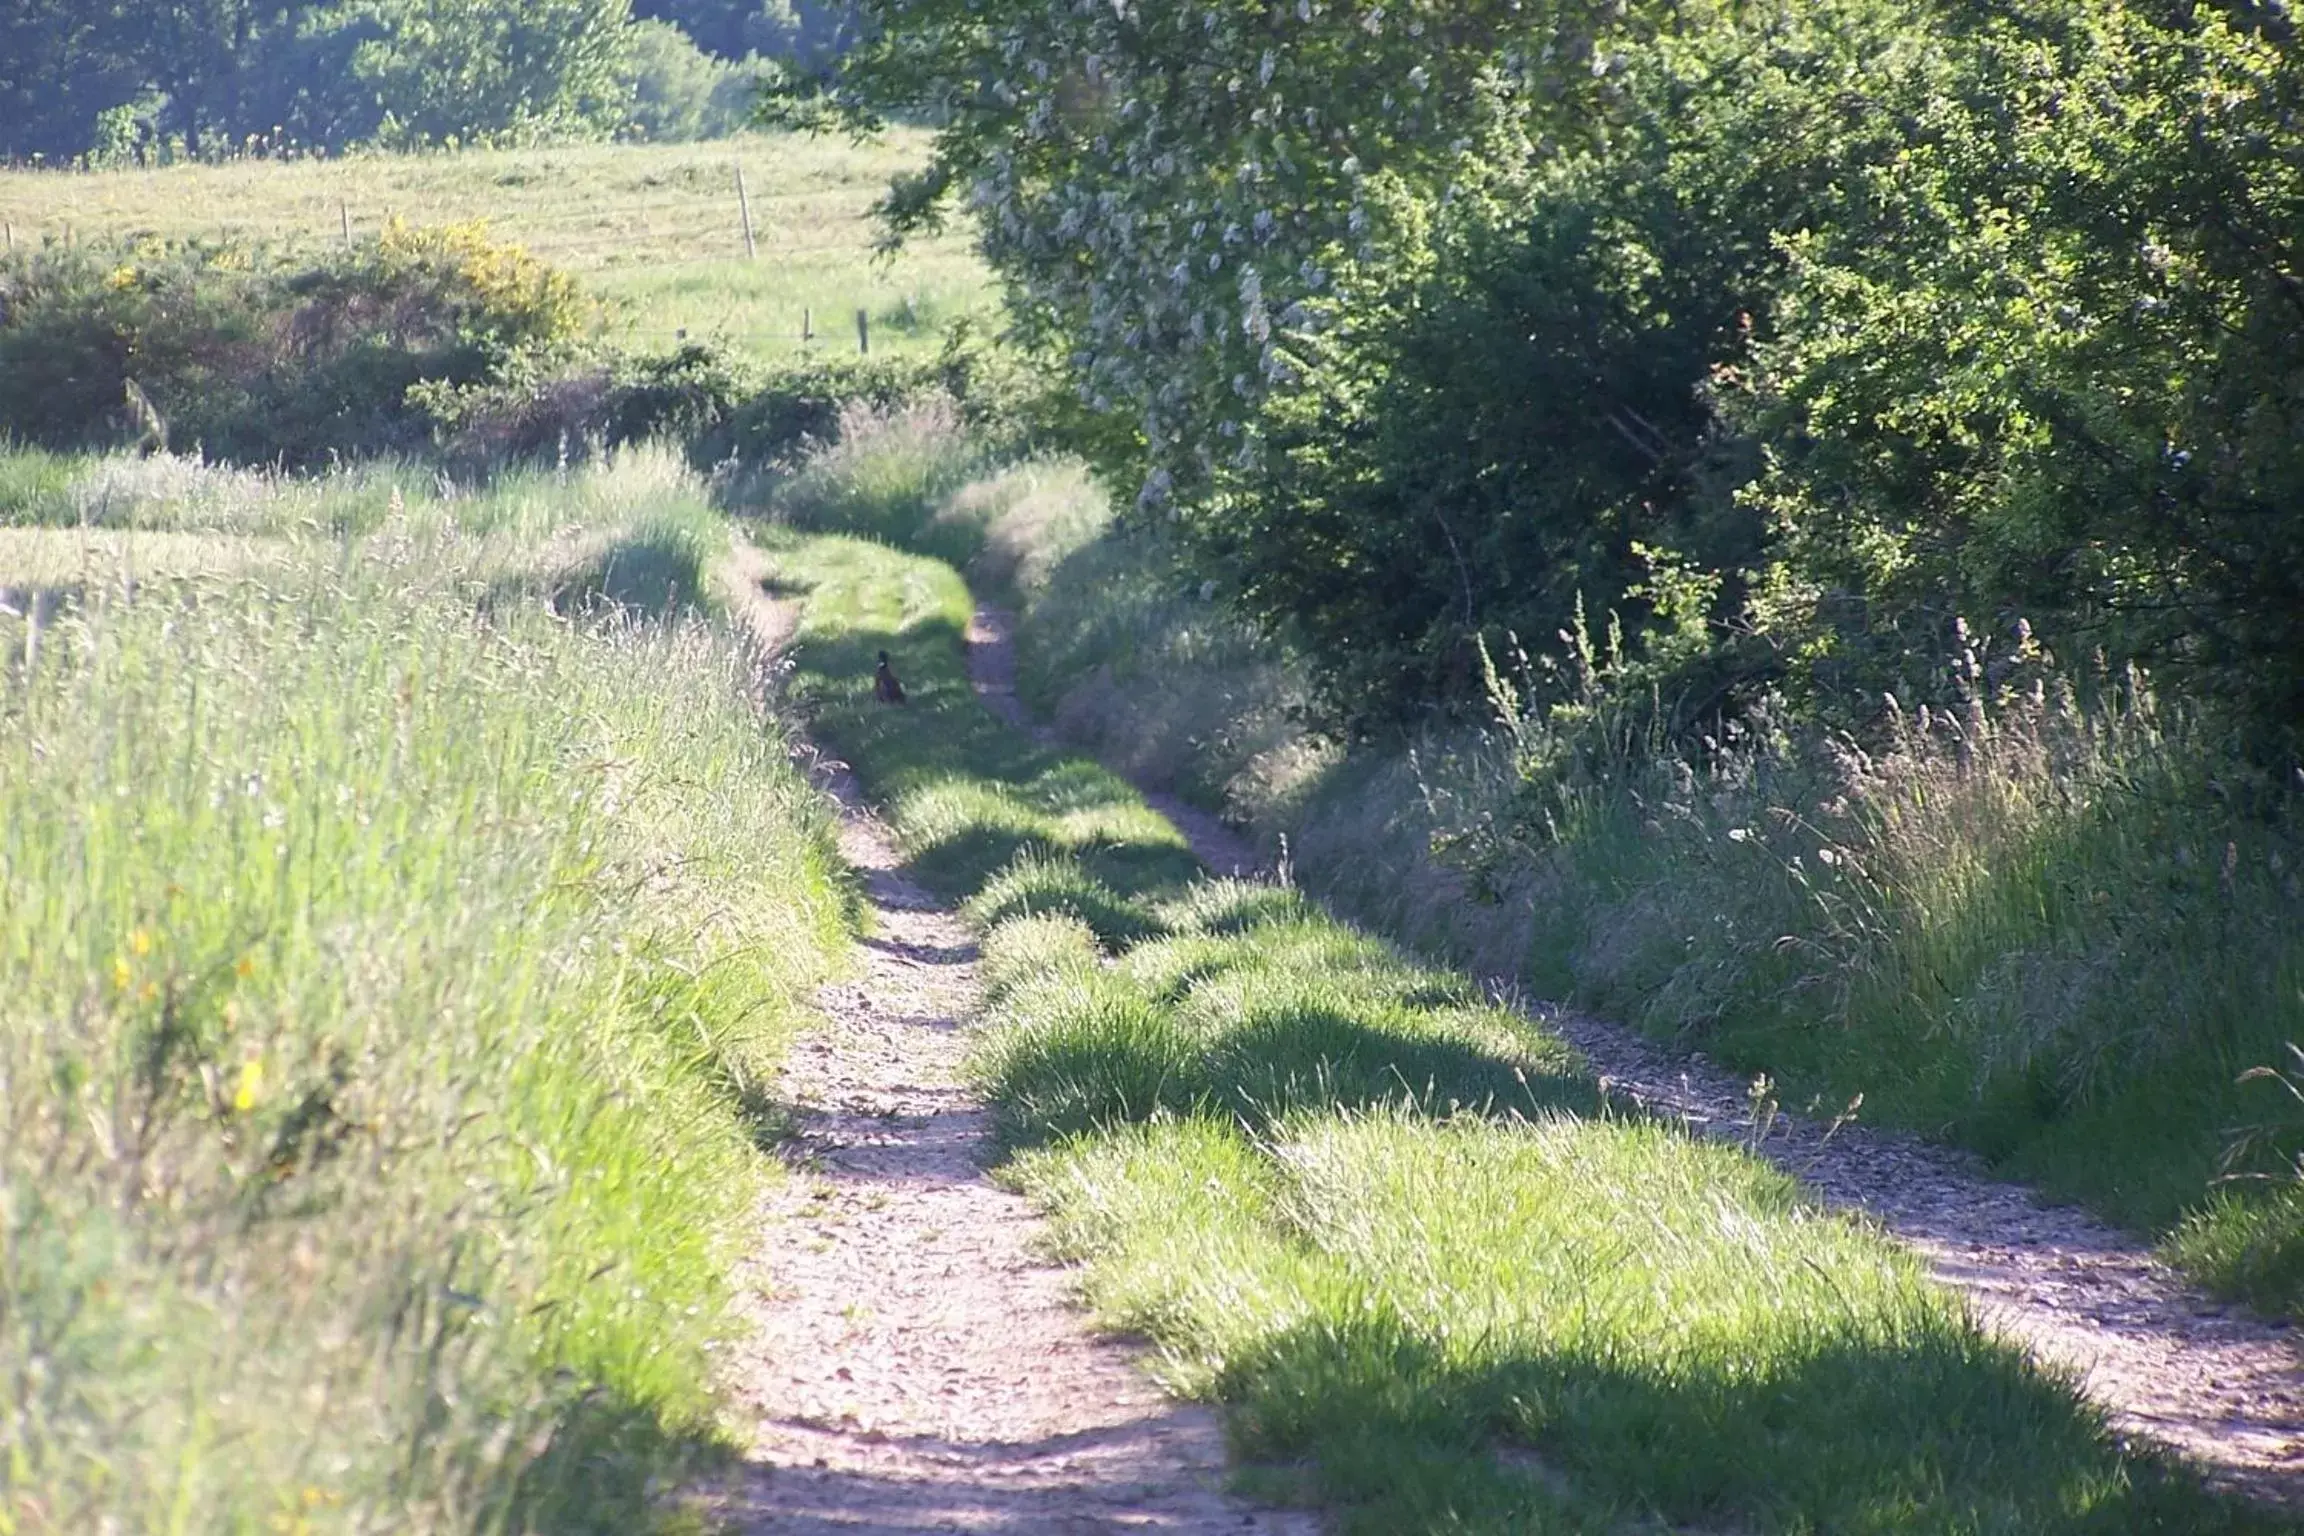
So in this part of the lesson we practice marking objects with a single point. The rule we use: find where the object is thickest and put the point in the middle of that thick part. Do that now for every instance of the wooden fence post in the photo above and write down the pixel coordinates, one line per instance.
(807, 326)
(864, 332)
(344, 218)
(744, 205)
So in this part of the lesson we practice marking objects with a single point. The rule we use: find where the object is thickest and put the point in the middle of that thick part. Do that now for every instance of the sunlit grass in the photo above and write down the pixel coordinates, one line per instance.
(390, 972)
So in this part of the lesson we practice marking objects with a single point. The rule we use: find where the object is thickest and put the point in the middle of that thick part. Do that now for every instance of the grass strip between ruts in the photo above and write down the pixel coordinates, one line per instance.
(1438, 1285)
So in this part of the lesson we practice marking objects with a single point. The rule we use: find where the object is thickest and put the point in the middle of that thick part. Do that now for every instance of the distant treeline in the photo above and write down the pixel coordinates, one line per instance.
(120, 80)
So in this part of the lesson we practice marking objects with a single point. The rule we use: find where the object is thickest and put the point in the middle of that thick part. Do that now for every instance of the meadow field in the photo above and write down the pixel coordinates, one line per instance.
(655, 230)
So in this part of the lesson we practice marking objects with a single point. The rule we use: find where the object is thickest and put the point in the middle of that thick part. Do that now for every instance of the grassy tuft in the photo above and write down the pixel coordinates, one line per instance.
(884, 474)
(1569, 1325)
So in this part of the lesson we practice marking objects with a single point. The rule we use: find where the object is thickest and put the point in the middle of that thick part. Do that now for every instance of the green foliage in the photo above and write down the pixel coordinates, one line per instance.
(172, 78)
(60, 69)
(1516, 424)
(2054, 375)
(801, 33)
(680, 92)
(1169, 193)
(1432, 323)
(491, 71)
(258, 360)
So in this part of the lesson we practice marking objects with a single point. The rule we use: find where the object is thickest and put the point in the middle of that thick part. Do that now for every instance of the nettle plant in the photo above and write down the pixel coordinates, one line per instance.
(1174, 194)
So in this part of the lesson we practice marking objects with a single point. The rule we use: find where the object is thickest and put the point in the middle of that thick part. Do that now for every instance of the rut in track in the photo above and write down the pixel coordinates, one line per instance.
(914, 1365)
(2164, 1361)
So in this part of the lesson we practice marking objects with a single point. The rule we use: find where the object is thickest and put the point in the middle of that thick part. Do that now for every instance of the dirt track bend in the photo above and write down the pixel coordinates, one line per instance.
(914, 1366)
(2164, 1361)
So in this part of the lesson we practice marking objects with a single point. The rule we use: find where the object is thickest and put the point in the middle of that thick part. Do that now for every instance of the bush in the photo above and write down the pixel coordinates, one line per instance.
(679, 91)
(251, 359)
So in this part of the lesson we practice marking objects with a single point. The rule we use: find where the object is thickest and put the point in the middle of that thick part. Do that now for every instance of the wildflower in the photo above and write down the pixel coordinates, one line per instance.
(251, 1088)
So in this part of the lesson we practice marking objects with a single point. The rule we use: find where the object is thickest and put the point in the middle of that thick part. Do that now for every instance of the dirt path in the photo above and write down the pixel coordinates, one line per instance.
(2163, 1360)
(914, 1365)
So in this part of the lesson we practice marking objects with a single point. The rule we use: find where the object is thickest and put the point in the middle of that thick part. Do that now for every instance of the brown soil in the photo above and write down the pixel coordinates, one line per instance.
(2165, 1362)
(915, 1364)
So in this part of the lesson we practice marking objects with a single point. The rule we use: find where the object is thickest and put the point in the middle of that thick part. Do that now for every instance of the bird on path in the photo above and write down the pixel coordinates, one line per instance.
(885, 688)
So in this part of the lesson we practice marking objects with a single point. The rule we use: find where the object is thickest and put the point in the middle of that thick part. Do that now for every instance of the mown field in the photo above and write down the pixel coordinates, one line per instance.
(407, 897)
(654, 229)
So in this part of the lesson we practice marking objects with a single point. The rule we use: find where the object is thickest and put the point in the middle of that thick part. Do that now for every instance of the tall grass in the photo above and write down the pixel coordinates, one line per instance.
(2034, 927)
(1122, 644)
(884, 476)
(634, 528)
(1391, 1226)
(387, 981)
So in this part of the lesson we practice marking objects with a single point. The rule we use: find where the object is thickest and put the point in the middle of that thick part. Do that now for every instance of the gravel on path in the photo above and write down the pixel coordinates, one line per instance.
(914, 1363)
(2165, 1362)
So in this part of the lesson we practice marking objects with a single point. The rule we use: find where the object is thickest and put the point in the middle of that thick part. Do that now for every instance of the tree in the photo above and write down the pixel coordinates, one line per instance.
(805, 31)
(433, 71)
(1520, 421)
(1170, 192)
(2057, 373)
(62, 62)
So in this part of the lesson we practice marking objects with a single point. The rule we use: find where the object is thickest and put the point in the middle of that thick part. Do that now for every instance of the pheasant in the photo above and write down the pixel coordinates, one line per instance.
(885, 688)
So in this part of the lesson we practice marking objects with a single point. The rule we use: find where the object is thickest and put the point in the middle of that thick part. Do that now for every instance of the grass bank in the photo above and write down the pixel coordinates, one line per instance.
(1437, 1285)
(2045, 925)
(397, 937)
